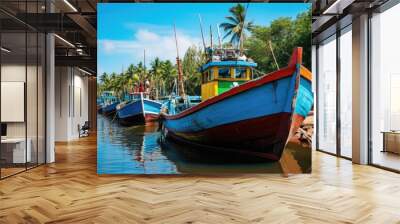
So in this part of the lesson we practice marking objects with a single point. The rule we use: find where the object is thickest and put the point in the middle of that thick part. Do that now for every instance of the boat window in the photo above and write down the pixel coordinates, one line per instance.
(210, 76)
(240, 73)
(224, 73)
(205, 76)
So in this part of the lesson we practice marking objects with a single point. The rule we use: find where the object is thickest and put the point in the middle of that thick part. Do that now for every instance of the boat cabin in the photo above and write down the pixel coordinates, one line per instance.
(219, 76)
(108, 97)
(133, 96)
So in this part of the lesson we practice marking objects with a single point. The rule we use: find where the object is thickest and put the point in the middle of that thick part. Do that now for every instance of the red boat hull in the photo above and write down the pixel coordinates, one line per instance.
(139, 119)
(261, 137)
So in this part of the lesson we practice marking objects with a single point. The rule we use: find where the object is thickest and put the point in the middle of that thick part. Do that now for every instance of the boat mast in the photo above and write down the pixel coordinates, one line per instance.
(211, 38)
(202, 35)
(144, 70)
(180, 71)
(219, 37)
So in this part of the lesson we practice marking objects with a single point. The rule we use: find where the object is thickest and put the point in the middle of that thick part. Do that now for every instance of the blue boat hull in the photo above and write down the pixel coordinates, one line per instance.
(109, 109)
(139, 112)
(257, 118)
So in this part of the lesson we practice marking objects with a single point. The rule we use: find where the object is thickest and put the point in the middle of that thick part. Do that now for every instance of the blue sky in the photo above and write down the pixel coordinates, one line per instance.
(126, 29)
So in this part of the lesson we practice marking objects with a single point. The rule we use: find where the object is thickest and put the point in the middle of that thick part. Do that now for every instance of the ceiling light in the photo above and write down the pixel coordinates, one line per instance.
(332, 7)
(86, 72)
(5, 50)
(70, 5)
(65, 41)
(337, 7)
(79, 51)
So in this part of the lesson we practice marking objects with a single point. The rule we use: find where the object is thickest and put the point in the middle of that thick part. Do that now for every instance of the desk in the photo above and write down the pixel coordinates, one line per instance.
(16, 147)
(391, 141)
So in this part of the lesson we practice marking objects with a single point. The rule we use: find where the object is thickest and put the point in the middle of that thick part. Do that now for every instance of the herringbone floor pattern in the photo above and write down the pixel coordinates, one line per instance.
(70, 191)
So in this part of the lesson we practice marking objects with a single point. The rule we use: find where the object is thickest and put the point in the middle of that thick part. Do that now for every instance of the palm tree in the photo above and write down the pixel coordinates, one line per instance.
(129, 77)
(237, 25)
(169, 74)
(140, 71)
(102, 85)
(103, 77)
(156, 72)
(106, 82)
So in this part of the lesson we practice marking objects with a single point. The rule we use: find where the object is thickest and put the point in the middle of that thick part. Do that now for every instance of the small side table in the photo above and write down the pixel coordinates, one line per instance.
(16, 147)
(391, 141)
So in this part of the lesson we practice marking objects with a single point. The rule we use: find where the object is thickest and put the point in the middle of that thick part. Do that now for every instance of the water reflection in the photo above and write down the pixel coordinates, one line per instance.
(137, 150)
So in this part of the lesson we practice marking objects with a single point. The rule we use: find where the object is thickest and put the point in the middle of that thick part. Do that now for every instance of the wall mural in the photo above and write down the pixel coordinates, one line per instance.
(200, 88)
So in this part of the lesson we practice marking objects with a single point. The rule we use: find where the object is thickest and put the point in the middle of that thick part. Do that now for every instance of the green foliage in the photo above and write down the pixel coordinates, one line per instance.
(161, 76)
(169, 74)
(285, 34)
(191, 63)
(155, 76)
(236, 26)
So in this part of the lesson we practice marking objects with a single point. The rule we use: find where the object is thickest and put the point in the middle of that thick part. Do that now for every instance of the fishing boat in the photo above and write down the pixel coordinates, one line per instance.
(99, 103)
(177, 103)
(138, 110)
(242, 116)
(109, 104)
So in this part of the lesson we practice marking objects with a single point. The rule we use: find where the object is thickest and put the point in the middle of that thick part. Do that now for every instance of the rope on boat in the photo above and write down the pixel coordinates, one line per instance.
(260, 73)
(115, 116)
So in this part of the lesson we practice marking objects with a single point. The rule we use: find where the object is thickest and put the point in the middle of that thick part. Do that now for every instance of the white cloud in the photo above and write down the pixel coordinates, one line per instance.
(161, 29)
(156, 45)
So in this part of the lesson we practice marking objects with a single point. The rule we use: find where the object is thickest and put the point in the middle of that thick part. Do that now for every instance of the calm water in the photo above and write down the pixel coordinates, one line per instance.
(137, 150)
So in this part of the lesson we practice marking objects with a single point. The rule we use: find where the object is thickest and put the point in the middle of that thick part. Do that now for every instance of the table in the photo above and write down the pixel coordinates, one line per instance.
(391, 141)
(16, 147)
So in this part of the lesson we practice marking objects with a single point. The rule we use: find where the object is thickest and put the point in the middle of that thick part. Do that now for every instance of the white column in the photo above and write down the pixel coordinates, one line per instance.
(360, 90)
(50, 94)
(314, 83)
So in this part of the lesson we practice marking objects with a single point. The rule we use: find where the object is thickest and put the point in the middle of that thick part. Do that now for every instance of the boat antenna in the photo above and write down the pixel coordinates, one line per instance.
(124, 87)
(202, 34)
(176, 43)
(144, 70)
(176, 87)
(211, 38)
(180, 71)
(219, 37)
(144, 58)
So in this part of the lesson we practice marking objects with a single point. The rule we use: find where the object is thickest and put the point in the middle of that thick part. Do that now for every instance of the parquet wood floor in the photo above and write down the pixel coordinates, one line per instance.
(70, 191)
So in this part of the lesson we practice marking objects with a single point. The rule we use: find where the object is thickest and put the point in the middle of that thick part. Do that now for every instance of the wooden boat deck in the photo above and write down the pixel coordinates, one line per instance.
(70, 191)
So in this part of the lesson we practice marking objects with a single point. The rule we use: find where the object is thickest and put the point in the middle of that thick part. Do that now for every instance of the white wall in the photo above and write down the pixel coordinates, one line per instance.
(62, 82)
(16, 73)
(33, 126)
(10, 73)
(385, 74)
(327, 95)
(71, 102)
